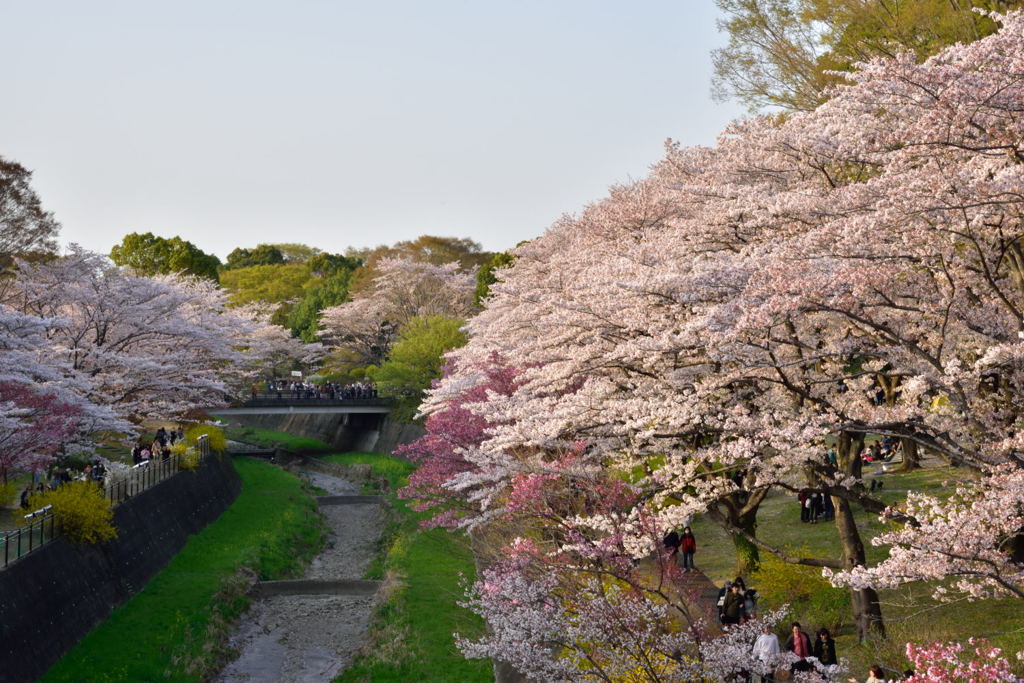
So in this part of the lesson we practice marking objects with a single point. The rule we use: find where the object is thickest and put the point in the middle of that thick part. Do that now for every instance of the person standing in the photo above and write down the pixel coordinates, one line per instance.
(799, 643)
(816, 507)
(687, 548)
(766, 650)
(825, 647)
(732, 608)
(671, 542)
(805, 509)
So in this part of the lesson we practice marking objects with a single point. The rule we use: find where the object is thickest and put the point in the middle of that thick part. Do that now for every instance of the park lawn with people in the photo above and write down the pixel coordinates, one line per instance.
(911, 613)
(269, 438)
(423, 573)
(175, 628)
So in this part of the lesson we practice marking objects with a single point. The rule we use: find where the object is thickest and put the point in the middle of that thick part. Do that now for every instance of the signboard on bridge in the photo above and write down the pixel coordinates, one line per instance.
(296, 373)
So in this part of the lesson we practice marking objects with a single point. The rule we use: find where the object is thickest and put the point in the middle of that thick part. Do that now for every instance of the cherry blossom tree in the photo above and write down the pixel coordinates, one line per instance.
(269, 350)
(453, 432)
(365, 328)
(33, 424)
(148, 347)
(706, 332)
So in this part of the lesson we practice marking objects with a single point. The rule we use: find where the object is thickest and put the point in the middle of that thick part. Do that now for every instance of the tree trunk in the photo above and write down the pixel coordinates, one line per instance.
(867, 612)
(748, 557)
(911, 457)
(735, 512)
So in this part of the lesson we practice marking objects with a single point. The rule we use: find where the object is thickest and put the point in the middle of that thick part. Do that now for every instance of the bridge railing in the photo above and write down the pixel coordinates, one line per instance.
(271, 400)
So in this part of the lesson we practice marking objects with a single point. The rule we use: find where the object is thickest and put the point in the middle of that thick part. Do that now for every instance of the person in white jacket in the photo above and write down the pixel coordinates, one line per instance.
(767, 650)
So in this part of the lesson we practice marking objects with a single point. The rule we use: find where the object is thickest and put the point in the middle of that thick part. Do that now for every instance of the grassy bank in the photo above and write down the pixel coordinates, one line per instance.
(173, 629)
(271, 439)
(910, 613)
(411, 638)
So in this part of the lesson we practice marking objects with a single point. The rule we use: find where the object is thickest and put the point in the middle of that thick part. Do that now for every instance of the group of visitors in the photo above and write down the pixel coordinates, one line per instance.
(737, 604)
(58, 474)
(159, 448)
(815, 505)
(681, 548)
(308, 390)
(811, 656)
(883, 450)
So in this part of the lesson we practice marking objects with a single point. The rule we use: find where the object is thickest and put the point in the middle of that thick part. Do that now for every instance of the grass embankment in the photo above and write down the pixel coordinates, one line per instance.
(174, 629)
(411, 637)
(910, 613)
(271, 439)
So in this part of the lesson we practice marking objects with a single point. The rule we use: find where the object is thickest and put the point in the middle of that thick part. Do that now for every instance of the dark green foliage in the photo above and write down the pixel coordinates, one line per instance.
(485, 277)
(261, 255)
(328, 286)
(147, 254)
(24, 226)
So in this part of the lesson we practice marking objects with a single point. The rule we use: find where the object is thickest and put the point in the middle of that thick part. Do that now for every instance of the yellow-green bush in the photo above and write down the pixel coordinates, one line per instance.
(8, 489)
(188, 455)
(83, 512)
(214, 435)
(810, 597)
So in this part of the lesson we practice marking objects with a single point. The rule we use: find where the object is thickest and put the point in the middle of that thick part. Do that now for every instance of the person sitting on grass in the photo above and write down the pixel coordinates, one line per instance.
(875, 675)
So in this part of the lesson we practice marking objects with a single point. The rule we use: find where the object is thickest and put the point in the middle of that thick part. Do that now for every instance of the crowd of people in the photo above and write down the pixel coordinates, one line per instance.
(737, 604)
(815, 505)
(308, 390)
(59, 474)
(803, 654)
(159, 448)
(64, 471)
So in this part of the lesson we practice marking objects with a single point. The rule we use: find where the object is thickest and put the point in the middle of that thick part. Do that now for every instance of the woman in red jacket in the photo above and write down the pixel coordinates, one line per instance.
(687, 547)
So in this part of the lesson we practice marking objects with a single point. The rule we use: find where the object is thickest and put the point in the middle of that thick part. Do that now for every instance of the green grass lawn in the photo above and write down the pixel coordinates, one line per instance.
(911, 614)
(177, 622)
(272, 439)
(412, 634)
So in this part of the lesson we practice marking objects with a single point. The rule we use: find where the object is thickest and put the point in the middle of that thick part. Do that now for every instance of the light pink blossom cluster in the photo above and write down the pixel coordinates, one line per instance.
(366, 327)
(954, 663)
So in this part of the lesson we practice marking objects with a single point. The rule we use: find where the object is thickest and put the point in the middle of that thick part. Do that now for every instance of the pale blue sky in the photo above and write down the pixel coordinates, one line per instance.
(345, 123)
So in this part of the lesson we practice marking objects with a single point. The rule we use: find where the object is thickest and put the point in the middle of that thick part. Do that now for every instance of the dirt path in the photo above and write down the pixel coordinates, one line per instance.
(311, 638)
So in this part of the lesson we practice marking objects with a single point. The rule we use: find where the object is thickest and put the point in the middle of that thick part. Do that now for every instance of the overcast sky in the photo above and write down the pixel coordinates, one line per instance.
(346, 123)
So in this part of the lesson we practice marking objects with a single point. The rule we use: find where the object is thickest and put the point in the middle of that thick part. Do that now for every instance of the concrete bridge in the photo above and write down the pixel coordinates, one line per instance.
(349, 424)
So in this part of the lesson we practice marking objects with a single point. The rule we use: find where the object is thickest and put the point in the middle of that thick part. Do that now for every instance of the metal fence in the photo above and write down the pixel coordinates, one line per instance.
(42, 526)
(141, 477)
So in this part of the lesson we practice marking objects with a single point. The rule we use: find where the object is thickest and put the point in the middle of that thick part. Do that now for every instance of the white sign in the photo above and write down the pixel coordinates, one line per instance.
(296, 373)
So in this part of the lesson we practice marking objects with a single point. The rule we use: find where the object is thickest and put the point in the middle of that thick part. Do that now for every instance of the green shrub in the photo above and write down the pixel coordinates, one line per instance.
(811, 598)
(83, 512)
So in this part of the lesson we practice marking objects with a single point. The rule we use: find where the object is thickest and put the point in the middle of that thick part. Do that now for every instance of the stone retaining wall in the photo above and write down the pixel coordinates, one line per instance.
(52, 598)
(345, 431)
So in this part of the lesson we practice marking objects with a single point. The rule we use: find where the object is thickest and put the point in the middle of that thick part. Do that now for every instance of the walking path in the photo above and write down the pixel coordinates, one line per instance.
(308, 630)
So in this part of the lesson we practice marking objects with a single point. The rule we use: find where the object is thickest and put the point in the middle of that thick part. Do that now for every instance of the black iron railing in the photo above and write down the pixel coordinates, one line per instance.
(42, 526)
